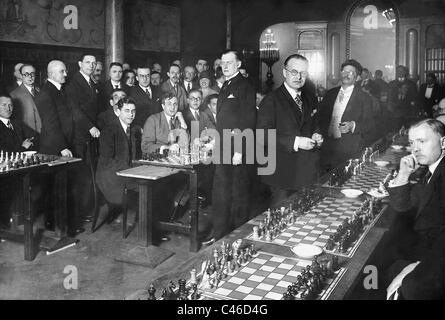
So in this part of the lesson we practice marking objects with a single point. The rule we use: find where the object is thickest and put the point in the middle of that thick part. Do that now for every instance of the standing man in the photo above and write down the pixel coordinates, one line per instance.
(83, 97)
(189, 82)
(97, 73)
(201, 65)
(115, 82)
(345, 118)
(172, 85)
(235, 111)
(429, 95)
(288, 110)
(146, 96)
(56, 136)
(23, 97)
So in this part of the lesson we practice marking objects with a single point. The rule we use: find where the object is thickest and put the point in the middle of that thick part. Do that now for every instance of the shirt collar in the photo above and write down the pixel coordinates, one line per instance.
(56, 84)
(293, 93)
(87, 78)
(28, 87)
(432, 167)
(5, 121)
(233, 76)
(124, 125)
(115, 83)
(19, 83)
(145, 88)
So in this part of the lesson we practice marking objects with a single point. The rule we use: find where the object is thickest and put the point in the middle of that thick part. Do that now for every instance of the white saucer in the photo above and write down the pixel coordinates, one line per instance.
(306, 251)
(397, 147)
(381, 163)
(351, 193)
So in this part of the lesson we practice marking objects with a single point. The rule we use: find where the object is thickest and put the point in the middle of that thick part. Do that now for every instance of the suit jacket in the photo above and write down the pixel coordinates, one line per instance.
(427, 104)
(279, 111)
(195, 85)
(25, 108)
(210, 114)
(155, 132)
(204, 122)
(358, 109)
(57, 120)
(427, 202)
(105, 118)
(105, 90)
(116, 154)
(236, 107)
(83, 99)
(11, 140)
(181, 94)
(12, 87)
(145, 107)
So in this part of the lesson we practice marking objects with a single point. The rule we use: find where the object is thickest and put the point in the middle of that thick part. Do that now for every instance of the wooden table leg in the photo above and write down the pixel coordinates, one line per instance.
(145, 225)
(29, 218)
(193, 185)
(60, 196)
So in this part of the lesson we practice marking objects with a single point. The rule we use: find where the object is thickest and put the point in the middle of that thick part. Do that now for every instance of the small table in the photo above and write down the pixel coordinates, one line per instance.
(145, 176)
(51, 241)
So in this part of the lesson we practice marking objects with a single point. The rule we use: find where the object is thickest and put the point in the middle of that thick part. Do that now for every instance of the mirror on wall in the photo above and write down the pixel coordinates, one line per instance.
(372, 36)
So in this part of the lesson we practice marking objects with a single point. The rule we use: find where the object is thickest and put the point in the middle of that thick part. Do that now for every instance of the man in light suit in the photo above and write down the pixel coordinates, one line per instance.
(419, 268)
(345, 118)
(146, 96)
(23, 97)
(289, 110)
(172, 85)
(157, 133)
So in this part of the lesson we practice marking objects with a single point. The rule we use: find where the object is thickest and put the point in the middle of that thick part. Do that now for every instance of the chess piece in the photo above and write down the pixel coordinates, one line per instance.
(193, 279)
(151, 292)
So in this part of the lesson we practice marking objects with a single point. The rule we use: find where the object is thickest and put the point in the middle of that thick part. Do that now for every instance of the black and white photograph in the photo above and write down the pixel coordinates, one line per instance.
(234, 152)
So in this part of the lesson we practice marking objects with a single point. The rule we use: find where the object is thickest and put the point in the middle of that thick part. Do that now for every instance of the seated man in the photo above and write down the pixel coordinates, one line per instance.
(14, 135)
(110, 115)
(420, 267)
(162, 129)
(119, 143)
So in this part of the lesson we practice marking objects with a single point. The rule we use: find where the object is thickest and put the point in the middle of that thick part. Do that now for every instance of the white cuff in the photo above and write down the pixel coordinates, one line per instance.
(296, 143)
(353, 127)
(393, 184)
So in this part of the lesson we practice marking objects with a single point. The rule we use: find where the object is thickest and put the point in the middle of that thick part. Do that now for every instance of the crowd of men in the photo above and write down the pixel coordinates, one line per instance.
(136, 111)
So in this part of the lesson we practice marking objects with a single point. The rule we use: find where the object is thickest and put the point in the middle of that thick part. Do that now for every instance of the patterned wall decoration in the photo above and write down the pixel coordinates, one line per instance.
(154, 27)
(41, 22)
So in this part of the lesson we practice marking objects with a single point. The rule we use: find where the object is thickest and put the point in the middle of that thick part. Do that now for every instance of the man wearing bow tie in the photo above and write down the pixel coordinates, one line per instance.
(419, 270)
(345, 118)
(430, 94)
(231, 186)
(288, 110)
(24, 96)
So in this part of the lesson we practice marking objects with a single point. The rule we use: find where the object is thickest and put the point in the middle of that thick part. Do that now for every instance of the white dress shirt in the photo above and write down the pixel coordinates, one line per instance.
(339, 108)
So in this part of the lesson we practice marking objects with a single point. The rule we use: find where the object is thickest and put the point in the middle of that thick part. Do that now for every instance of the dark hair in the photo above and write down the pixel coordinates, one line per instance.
(236, 53)
(26, 65)
(295, 56)
(117, 64)
(195, 90)
(209, 98)
(365, 69)
(155, 72)
(379, 73)
(429, 74)
(167, 96)
(173, 65)
(126, 100)
(127, 72)
(142, 66)
(116, 90)
(218, 73)
(437, 126)
(86, 54)
(351, 62)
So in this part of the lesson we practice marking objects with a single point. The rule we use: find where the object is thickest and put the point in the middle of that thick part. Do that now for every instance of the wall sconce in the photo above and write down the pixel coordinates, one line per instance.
(390, 15)
(269, 54)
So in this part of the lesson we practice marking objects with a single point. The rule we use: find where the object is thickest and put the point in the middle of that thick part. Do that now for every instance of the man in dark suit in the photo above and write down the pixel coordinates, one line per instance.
(288, 110)
(209, 106)
(56, 136)
(147, 97)
(172, 85)
(345, 118)
(193, 113)
(420, 265)
(14, 136)
(430, 94)
(231, 186)
(120, 142)
(115, 82)
(189, 81)
(23, 98)
(110, 115)
(82, 94)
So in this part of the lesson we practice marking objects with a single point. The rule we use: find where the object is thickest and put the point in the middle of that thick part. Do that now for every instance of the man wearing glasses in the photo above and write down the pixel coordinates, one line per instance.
(146, 96)
(345, 118)
(288, 110)
(23, 99)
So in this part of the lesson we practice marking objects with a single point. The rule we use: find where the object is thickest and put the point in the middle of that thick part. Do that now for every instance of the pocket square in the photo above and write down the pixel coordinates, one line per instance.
(231, 96)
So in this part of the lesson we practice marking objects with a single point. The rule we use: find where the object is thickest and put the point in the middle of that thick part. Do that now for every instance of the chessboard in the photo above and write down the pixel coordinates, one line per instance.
(369, 178)
(267, 277)
(319, 224)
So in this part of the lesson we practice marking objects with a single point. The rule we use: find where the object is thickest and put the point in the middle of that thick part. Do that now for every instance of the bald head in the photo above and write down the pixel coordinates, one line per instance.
(57, 71)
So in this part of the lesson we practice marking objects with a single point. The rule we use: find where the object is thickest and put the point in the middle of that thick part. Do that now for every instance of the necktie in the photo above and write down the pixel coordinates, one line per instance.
(196, 115)
(341, 96)
(299, 103)
(176, 89)
(172, 123)
(128, 133)
(116, 87)
(189, 87)
(33, 92)
(10, 127)
(427, 177)
(148, 93)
